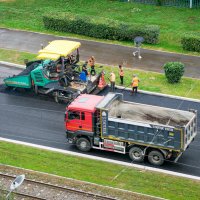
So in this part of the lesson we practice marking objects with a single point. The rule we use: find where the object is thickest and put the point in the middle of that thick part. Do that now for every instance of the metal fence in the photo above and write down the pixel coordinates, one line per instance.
(176, 3)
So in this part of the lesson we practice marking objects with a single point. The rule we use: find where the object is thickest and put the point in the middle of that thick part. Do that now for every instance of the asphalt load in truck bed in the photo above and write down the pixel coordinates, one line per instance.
(149, 114)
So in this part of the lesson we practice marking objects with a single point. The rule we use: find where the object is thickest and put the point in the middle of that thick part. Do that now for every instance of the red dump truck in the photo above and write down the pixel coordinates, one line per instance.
(143, 131)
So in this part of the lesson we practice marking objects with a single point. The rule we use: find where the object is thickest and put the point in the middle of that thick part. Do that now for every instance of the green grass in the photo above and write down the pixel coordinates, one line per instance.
(149, 81)
(99, 172)
(22, 14)
(15, 56)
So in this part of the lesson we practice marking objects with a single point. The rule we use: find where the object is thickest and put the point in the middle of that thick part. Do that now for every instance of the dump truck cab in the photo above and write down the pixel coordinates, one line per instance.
(80, 117)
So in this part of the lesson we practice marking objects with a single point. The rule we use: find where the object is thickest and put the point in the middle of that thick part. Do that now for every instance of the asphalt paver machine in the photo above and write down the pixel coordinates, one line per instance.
(56, 73)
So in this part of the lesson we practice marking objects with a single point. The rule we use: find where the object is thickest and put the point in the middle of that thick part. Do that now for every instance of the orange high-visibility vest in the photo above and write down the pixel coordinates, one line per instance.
(121, 72)
(135, 82)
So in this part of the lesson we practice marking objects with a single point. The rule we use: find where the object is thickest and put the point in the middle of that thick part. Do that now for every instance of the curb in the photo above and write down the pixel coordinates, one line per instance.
(162, 95)
(119, 87)
(12, 65)
(126, 164)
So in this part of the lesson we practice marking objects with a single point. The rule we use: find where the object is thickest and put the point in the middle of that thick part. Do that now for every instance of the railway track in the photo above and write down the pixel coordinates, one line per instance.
(52, 188)
(22, 195)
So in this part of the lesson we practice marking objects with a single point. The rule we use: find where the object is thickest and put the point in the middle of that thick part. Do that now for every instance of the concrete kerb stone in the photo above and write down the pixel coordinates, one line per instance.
(119, 87)
(12, 65)
(160, 94)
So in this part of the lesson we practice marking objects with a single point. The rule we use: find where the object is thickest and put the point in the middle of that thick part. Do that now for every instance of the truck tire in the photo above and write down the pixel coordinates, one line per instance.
(83, 144)
(136, 154)
(156, 158)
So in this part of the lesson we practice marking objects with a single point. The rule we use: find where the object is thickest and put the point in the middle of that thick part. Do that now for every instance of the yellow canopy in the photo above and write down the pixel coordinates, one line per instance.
(58, 48)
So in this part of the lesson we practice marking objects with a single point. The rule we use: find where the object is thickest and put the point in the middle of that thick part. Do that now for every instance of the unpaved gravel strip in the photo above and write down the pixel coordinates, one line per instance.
(74, 184)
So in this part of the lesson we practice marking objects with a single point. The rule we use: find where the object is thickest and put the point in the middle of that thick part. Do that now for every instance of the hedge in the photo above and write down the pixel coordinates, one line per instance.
(191, 42)
(100, 27)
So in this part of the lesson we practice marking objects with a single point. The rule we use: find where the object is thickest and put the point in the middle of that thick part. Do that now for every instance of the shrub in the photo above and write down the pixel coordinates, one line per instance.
(159, 2)
(174, 71)
(191, 42)
(100, 27)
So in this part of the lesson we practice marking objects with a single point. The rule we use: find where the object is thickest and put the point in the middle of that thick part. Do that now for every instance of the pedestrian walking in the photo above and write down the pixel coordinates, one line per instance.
(121, 74)
(91, 62)
(112, 81)
(138, 42)
(137, 46)
(135, 83)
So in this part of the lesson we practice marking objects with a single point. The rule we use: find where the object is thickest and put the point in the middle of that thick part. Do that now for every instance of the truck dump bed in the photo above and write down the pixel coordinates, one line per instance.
(146, 124)
(149, 114)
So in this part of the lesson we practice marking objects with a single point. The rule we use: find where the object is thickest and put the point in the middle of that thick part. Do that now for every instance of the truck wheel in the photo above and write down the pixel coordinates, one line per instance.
(83, 144)
(136, 154)
(156, 158)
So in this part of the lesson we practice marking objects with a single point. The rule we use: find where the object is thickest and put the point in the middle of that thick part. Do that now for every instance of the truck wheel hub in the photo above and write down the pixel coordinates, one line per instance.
(156, 158)
(83, 144)
(136, 154)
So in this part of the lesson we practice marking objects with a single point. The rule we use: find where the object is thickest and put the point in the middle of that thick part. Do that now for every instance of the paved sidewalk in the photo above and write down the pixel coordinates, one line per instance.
(104, 53)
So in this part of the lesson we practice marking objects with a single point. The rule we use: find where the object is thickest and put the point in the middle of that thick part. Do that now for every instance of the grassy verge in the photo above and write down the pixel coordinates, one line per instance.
(15, 56)
(85, 169)
(150, 81)
(22, 14)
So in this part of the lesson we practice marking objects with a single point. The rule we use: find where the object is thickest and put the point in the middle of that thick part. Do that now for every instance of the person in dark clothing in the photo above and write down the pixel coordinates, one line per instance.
(84, 69)
(121, 74)
(91, 62)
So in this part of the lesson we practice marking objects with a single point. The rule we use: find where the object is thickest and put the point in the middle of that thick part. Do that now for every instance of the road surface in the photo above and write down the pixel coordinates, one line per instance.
(37, 120)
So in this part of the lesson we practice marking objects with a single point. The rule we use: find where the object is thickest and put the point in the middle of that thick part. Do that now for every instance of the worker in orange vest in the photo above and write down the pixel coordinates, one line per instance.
(121, 74)
(135, 82)
(112, 81)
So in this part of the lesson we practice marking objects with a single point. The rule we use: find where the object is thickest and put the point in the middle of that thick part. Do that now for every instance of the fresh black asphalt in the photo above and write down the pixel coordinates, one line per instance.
(104, 53)
(41, 121)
